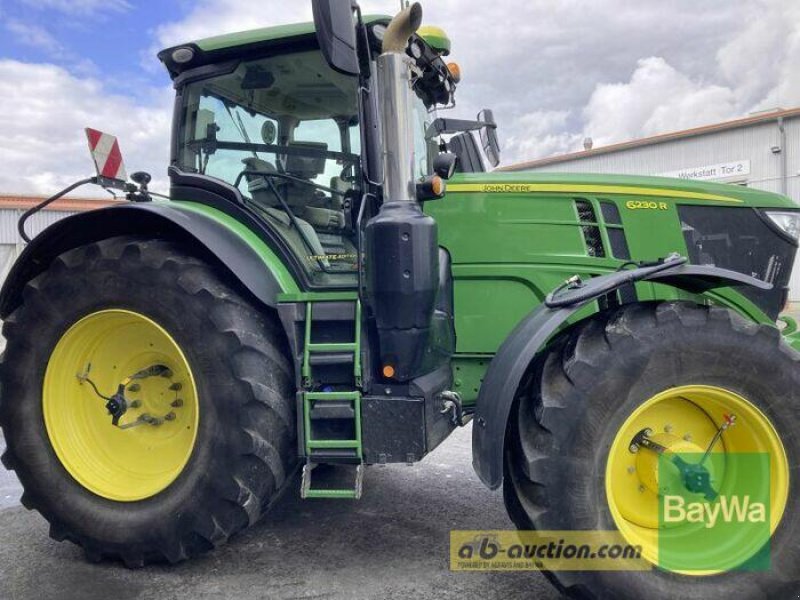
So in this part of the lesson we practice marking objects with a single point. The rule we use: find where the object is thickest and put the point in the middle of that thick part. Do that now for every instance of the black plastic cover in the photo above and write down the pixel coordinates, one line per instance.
(744, 240)
(402, 267)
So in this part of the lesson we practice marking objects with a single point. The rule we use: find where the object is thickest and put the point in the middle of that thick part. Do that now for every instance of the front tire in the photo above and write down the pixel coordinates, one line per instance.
(105, 311)
(585, 395)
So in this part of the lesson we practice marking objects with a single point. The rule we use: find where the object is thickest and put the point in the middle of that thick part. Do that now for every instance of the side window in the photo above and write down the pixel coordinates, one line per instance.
(324, 131)
(422, 119)
(288, 146)
(227, 164)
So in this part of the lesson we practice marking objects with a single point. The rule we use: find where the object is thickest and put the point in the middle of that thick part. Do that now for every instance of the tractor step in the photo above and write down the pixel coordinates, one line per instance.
(354, 492)
(331, 401)
(330, 358)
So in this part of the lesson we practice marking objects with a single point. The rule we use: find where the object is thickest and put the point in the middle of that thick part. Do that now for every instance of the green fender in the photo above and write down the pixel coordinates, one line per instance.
(235, 247)
(530, 337)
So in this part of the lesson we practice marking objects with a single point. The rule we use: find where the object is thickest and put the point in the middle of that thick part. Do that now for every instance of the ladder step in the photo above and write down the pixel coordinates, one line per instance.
(331, 494)
(332, 347)
(330, 358)
(353, 396)
(333, 409)
(333, 444)
(306, 491)
(335, 456)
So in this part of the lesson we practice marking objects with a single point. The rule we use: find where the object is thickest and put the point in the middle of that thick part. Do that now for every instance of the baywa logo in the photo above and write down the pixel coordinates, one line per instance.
(731, 509)
(714, 511)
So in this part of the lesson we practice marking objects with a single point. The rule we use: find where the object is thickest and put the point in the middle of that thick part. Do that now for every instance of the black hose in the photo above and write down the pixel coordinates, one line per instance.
(32, 211)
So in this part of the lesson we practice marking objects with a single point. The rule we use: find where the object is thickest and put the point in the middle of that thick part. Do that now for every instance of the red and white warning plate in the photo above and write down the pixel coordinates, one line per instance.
(106, 155)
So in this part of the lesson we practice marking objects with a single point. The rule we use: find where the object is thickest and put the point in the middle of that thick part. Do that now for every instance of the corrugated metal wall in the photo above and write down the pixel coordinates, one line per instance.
(10, 242)
(753, 143)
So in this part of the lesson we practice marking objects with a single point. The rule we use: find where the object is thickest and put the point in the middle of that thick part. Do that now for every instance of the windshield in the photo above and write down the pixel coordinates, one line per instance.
(284, 130)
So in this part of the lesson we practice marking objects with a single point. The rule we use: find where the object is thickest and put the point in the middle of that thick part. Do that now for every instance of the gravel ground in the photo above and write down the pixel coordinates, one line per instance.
(393, 543)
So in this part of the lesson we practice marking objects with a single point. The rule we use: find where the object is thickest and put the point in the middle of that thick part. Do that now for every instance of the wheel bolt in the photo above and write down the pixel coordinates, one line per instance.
(631, 470)
(177, 402)
(176, 387)
(169, 416)
(687, 437)
(135, 403)
(634, 448)
(667, 428)
(134, 388)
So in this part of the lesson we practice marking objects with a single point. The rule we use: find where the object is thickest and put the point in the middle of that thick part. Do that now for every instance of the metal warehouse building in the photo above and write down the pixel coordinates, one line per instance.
(760, 151)
(12, 208)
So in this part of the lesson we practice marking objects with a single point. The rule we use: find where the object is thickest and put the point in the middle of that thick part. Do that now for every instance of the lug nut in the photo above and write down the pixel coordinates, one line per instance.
(634, 448)
(169, 416)
(631, 470)
(176, 387)
(667, 428)
(134, 387)
(176, 403)
(687, 437)
(135, 403)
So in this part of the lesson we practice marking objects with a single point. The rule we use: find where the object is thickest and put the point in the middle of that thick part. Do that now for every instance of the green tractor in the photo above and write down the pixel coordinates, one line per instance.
(313, 298)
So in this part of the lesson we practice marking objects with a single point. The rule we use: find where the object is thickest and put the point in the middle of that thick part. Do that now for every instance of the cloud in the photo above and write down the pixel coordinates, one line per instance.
(754, 70)
(34, 36)
(43, 110)
(541, 133)
(657, 98)
(81, 7)
(215, 17)
(553, 73)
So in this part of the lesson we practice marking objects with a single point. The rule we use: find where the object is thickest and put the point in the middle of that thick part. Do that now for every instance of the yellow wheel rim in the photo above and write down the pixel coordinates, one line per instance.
(684, 420)
(120, 464)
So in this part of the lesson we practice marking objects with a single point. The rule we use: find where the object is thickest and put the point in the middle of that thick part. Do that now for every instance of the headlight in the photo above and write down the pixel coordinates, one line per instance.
(789, 222)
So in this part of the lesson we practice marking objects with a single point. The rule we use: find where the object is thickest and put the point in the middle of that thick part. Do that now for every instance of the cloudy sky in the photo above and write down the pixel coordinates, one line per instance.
(554, 71)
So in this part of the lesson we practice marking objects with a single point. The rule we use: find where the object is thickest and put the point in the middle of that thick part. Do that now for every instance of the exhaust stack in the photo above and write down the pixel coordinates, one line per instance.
(401, 241)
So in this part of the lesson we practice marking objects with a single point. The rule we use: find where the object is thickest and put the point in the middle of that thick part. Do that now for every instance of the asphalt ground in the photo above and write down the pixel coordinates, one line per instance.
(393, 543)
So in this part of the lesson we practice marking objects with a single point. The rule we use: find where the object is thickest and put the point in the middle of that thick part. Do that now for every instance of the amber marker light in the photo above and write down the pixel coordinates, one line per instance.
(455, 71)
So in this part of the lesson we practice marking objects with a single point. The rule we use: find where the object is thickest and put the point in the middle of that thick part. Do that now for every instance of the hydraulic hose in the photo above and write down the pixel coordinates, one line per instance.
(32, 211)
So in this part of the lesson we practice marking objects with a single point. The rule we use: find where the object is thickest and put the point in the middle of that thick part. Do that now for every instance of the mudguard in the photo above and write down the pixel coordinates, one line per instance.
(505, 372)
(237, 250)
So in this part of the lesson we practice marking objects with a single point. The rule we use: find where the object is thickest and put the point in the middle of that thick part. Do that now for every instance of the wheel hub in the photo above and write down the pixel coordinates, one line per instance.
(663, 449)
(148, 439)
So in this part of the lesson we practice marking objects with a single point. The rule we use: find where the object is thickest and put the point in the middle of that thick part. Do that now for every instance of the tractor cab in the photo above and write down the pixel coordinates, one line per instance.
(283, 131)
(293, 141)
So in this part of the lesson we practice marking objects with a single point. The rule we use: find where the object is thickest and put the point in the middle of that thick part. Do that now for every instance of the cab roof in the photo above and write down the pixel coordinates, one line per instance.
(235, 45)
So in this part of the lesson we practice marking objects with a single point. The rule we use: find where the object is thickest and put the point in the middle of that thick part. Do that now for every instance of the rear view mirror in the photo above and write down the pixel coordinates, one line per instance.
(491, 147)
(336, 33)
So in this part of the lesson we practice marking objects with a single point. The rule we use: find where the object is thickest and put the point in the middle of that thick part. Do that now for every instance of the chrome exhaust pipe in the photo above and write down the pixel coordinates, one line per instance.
(402, 251)
(403, 26)
(394, 88)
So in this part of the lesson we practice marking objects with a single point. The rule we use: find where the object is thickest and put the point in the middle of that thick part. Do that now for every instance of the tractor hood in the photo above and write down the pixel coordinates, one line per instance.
(596, 223)
(671, 189)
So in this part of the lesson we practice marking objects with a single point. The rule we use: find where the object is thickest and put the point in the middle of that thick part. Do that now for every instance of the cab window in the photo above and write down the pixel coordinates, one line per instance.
(284, 130)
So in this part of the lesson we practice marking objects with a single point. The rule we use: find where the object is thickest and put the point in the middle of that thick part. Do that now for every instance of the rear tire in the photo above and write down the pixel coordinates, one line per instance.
(244, 448)
(586, 386)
